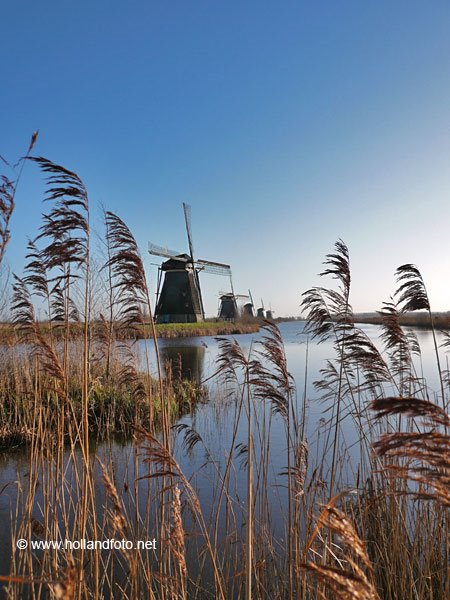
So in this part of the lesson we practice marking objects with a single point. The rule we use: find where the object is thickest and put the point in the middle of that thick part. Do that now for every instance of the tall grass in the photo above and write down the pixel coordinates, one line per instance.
(374, 528)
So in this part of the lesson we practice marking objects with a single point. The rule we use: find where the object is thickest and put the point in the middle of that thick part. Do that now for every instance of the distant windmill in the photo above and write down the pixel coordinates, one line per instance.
(260, 312)
(179, 298)
(249, 306)
(269, 314)
(228, 309)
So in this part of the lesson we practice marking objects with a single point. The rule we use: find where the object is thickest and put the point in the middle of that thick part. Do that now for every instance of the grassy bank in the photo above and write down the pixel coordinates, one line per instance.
(170, 330)
(441, 320)
(210, 328)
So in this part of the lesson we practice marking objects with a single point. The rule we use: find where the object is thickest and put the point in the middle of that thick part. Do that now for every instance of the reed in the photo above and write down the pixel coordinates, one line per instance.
(371, 529)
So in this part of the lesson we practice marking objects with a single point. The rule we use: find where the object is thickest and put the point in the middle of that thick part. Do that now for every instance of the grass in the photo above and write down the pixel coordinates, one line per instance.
(170, 330)
(210, 328)
(384, 535)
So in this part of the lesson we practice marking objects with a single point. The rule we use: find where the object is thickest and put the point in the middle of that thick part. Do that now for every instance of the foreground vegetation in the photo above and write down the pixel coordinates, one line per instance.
(375, 529)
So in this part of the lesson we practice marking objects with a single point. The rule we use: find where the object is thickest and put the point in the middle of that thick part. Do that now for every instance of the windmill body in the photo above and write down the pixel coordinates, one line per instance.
(179, 300)
(248, 310)
(269, 314)
(228, 308)
(261, 312)
(249, 307)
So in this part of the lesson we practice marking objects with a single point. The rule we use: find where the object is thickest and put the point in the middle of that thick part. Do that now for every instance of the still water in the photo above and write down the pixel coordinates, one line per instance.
(213, 420)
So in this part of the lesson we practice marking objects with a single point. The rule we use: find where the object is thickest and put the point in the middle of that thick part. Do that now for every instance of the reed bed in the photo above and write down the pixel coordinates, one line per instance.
(376, 529)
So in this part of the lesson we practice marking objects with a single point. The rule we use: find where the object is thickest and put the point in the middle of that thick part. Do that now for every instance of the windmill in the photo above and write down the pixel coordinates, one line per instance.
(249, 306)
(228, 309)
(178, 296)
(269, 314)
(260, 312)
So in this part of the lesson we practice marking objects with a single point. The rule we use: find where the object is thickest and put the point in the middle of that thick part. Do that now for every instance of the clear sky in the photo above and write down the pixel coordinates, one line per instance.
(285, 125)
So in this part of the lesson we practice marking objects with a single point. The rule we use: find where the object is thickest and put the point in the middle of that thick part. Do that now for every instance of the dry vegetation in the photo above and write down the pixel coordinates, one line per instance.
(384, 536)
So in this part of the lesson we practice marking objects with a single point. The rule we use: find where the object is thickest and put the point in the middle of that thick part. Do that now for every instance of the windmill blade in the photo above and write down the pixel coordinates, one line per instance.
(162, 251)
(243, 296)
(215, 268)
(187, 220)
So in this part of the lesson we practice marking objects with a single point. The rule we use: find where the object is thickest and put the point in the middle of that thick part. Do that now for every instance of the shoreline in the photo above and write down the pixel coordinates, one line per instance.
(8, 333)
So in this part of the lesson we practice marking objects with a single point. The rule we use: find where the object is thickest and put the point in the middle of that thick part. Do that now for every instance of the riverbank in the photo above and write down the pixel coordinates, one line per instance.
(168, 330)
(441, 320)
(175, 330)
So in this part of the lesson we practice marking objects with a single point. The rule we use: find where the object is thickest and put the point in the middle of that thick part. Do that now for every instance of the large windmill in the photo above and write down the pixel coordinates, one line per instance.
(178, 296)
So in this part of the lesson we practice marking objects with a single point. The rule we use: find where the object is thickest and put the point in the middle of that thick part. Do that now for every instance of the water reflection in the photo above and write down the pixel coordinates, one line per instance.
(185, 362)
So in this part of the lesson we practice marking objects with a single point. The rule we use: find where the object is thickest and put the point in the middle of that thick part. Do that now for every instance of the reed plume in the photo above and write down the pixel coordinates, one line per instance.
(412, 295)
(127, 268)
(8, 189)
(427, 453)
(352, 579)
(329, 315)
(22, 308)
(400, 345)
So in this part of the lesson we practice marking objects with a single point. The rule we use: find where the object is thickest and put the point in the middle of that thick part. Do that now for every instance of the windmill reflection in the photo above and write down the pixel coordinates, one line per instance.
(185, 362)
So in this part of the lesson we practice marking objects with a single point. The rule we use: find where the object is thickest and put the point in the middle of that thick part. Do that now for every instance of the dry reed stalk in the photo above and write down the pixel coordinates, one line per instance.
(177, 545)
(65, 590)
(166, 467)
(352, 582)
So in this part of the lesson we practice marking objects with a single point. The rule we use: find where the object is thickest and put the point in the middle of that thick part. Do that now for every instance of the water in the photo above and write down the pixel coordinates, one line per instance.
(213, 420)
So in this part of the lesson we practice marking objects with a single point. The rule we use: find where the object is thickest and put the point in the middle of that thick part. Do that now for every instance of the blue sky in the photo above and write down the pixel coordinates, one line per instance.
(285, 125)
